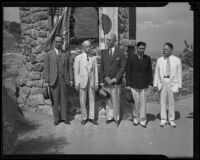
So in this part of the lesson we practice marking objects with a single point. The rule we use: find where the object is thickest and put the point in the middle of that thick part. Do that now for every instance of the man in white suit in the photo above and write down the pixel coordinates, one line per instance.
(86, 81)
(168, 80)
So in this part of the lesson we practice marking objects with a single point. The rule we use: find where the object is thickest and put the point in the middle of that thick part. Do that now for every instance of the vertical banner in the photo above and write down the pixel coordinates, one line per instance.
(108, 22)
(61, 27)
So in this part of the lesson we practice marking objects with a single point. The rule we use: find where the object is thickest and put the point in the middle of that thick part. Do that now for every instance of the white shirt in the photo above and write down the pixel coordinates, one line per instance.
(113, 49)
(57, 51)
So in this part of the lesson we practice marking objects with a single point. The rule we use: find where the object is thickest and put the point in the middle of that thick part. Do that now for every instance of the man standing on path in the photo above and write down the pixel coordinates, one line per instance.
(168, 80)
(139, 79)
(58, 74)
(112, 67)
(86, 82)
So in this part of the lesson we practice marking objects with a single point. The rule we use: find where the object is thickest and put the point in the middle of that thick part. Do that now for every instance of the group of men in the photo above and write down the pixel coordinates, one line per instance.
(114, 64)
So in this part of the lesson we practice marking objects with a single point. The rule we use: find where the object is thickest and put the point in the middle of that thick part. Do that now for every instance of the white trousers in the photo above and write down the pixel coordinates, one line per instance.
(140, 97)
(83, 97)
(167, 95)
(113, 104)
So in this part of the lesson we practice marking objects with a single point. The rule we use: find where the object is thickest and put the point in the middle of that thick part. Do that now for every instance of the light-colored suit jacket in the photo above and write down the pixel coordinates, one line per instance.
(175, 73)
(85, 71)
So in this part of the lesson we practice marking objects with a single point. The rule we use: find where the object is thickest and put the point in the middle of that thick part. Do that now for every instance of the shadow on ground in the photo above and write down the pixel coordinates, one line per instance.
(190, 115)
(177, 115)
(27, 126)
(40, 145)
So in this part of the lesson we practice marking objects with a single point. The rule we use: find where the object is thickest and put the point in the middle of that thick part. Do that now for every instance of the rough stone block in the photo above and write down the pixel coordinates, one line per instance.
(35, 100)
(42, 41)
(41, 57)
(38, 83)
(42, 34)
(21, 100)
(33, 59)
(38, 67)
(28, 66)
(24, 91)
(29, 83)
(35, 91)
(34, 75)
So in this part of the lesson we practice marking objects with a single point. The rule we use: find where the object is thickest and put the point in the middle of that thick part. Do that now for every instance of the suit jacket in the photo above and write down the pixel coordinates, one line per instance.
(85, 70)
(112, 66)
(139, 72)
(175, 73)
(51, 67)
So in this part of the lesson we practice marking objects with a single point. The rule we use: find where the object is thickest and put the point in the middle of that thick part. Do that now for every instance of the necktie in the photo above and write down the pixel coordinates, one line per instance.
(87, 57)
(110, 51)
(168, 67)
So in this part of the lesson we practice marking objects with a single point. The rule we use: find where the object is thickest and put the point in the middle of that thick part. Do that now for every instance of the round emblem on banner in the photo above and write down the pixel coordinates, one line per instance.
(106, 23)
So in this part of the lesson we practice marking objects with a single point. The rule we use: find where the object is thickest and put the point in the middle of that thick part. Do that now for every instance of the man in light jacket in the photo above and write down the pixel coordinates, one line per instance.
(168, 80)
(86, 81)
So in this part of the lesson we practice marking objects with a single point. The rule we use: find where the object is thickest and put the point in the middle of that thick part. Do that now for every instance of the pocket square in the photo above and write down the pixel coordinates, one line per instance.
(117, 59)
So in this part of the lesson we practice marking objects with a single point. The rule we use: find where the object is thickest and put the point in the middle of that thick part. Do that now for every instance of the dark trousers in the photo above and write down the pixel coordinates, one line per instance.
(59, 102)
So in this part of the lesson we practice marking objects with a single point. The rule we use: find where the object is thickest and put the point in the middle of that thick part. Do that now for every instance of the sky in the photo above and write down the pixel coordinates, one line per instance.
(155, 25)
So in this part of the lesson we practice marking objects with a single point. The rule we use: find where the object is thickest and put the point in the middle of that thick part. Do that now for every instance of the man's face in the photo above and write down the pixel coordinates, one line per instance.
(167, 51)
(141, 49)
(87, 47)
(58, 42)
(110, 41)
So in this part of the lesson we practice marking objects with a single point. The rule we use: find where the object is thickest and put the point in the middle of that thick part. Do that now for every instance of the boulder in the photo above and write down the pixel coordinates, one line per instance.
(35, 100)
(24, 91)
(38, 83)
(34, 75)
(38, 67)
(35, 91)
(41, 57)
(44, 109)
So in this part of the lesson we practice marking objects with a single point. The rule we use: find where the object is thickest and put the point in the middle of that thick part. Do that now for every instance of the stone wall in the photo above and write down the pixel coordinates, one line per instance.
(35, 30)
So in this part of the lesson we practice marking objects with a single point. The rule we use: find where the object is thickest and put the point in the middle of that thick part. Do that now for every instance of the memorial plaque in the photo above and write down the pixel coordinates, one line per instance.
(86, 22)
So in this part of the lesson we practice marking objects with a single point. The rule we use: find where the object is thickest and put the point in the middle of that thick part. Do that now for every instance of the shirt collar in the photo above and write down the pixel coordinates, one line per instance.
(57, 51)
(140, 56)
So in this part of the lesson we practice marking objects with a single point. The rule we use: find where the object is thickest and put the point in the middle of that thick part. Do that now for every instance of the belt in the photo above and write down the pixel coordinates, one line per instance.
(166, 76)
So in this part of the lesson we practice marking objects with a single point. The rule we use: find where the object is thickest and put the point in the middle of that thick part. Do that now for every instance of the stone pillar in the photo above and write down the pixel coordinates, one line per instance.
(35, 30)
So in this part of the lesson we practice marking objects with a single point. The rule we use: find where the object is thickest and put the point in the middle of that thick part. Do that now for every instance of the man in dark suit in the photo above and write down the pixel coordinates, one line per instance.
(58, 74)
(113, 63)
(139, 79)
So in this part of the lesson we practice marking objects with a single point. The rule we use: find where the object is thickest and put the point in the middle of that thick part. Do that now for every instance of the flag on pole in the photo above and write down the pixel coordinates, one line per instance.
(108, 22)
(61, 27)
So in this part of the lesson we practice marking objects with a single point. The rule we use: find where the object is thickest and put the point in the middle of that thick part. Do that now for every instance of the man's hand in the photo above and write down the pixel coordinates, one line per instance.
(96, 87)
(114, 80)
(77, 87)
(128, 87)
(155, 88)
(101, 84)
(71, 83)
(108, 80)
(46, 84)
(180, 89)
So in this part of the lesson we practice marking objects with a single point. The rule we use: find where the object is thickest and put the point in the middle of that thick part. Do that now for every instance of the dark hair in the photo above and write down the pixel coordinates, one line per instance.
(58, 35)
(170, 45)
(141, 44)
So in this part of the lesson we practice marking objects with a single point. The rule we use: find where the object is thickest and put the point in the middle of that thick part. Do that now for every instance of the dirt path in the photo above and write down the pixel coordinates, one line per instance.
(44, 138)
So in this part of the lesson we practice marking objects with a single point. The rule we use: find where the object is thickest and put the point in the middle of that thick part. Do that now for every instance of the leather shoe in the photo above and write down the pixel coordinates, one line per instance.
(108, 121)
(93, 121)
(84, 121)
(66, 122)
(56, 122)
(144, 125)
(117, 122)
